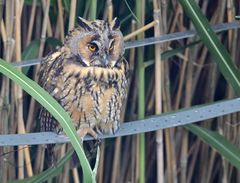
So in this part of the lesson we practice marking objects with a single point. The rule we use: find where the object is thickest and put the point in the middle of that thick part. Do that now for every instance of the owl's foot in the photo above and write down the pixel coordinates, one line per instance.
(82, 132)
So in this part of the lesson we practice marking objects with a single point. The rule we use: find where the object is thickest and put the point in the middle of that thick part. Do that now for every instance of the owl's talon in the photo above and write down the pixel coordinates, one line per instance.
(82, 132)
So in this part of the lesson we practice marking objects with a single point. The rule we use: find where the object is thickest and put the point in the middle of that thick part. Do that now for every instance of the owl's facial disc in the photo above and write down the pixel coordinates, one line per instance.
(97, 43)
(102, 52)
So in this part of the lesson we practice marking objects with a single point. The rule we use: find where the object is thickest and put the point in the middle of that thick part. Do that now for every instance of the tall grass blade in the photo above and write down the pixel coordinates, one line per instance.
(217, 141)
(49, 173)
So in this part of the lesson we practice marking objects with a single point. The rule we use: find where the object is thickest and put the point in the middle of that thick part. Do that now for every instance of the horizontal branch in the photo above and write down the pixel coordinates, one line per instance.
(154, 40)
(169, 120)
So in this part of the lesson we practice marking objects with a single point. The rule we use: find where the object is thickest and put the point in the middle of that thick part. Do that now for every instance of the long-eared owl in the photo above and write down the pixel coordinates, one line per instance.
(88, 76)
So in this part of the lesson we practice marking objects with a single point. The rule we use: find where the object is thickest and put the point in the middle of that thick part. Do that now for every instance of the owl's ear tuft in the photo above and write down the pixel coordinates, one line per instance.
(84, 24)
(115, 24)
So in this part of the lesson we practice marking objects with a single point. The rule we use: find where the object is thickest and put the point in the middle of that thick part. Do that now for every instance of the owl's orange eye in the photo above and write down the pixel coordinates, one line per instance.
(92, 47)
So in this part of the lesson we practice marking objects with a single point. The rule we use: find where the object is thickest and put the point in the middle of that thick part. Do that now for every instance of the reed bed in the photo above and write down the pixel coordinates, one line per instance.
(32, 29)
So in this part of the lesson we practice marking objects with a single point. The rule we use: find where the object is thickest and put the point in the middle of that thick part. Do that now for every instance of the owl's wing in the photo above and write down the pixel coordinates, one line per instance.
(48, 80)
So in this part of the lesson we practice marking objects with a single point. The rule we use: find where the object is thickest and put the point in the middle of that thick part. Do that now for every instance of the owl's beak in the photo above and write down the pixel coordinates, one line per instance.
(104, 61)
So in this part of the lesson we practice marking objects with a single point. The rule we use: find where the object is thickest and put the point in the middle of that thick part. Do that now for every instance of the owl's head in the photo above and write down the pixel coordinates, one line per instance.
(97, 43)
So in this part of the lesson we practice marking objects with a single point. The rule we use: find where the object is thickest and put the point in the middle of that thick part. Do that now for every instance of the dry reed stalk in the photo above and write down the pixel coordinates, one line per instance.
(4, 115)
(31, 23)
(44, 27)
(230, 133)
(57, 31)
(116, 160)
(181, 83)
(100, 174)
(133, 50)
(139, 31)
(210, 169)
(158, 93)
(132, 58)
(230, 17)
(18, 90)
(3, 32)
(238, 144)
(72, 14)
(110, 10)
(75, 175)
(39, 160)
(187, 103)
(205, 152)
(177, 18)
(232, 41)
(60, 18)
(135, 153)
(19, 99)
(132, 55)
(194, 150)
(167, 104)
(169, 155)
(225, 164)
(167, 107)
(64, 176)
(130, 170)
(125, 160)
(2, 3)
(204, 159)
(49, 28)
(10, 43)
(40, 152)
(21, 6)
(150, 96)
(8, 102)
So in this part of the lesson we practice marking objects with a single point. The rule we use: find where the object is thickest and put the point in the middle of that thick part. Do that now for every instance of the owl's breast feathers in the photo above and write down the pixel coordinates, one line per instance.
(93, 96)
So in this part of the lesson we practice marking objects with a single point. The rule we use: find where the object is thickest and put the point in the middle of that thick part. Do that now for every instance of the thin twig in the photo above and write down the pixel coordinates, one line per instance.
(139, 31)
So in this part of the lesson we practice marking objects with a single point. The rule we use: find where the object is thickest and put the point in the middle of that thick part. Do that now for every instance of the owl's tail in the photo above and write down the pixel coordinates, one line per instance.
(48, 123)
(90, 149)
(51, 156)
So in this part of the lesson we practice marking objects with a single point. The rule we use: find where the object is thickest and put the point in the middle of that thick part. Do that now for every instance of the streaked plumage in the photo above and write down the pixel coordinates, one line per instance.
(88, 76)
